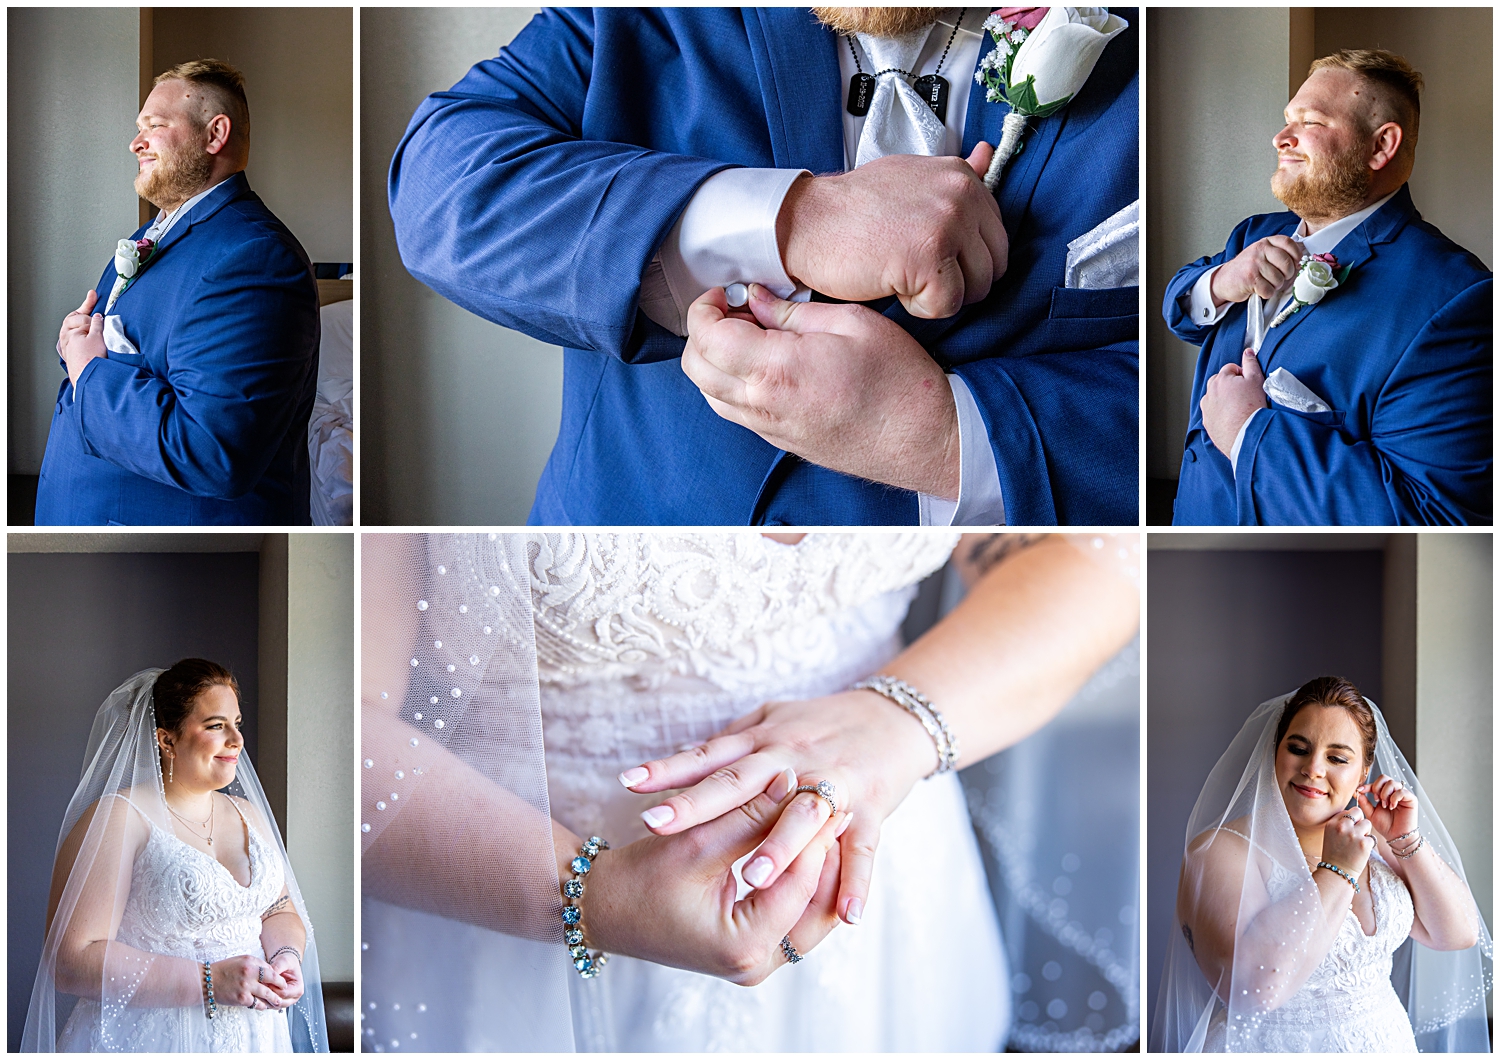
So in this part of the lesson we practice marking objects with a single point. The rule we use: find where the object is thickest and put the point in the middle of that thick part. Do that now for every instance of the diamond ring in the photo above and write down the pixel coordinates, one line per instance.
(825, 791)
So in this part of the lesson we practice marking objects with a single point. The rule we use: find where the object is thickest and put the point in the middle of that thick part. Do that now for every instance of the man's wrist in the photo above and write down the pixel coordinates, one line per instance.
(793, 223)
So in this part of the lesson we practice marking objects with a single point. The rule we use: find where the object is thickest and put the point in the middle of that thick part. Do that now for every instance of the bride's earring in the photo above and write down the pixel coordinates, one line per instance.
(170, 759)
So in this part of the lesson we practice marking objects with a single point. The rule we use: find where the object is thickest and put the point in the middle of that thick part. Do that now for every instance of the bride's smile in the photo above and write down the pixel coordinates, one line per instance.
(203, 754)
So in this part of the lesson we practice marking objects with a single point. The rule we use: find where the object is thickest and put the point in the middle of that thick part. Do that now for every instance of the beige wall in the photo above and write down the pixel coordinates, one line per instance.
(1217, 80)
(1455, 695)
(458, 413)
(1452, 184)
(72, 85)
(299, 76)
(306, 759)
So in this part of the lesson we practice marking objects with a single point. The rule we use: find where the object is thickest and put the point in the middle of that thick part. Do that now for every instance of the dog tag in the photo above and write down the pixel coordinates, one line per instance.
(861, 91)
(934, 92)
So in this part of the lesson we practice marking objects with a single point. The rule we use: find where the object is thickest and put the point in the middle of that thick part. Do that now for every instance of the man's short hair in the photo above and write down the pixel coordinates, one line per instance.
(222, 84)
(1399, 85)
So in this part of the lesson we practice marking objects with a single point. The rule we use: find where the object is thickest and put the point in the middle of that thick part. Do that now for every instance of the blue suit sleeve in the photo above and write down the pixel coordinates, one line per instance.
(1425, 463)
(1179, 321)
(1060, 418)
(240, 358)
(501, 205)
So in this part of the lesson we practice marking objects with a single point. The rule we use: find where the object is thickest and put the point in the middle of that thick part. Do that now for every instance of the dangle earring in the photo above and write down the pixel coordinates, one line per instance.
(170, 760)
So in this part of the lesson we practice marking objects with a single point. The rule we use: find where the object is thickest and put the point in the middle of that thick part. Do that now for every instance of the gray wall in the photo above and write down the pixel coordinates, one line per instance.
(72, 104)
(1217, 80)
(1227, 631)
(79, 625)
(299, 76)
(458, 414)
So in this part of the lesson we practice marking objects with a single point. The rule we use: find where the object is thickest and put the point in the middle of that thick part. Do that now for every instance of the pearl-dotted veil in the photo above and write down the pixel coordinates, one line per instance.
(137, 987)
(1443, 992)
(451, 704)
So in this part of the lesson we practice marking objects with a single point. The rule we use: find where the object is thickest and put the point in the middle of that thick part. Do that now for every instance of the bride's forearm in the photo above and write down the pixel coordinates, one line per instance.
(143, 979)
(283, 929)
(1031, 631)
(1444, 908)
(462, 846)
(1267, 970)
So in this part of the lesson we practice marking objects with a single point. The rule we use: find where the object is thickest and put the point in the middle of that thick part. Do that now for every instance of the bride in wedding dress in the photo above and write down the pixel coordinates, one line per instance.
(1322, 906)
(174, 922)
(682, 696)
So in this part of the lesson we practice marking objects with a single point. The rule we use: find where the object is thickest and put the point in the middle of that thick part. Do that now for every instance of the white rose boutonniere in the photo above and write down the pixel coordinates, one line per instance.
(1039, 64)
(1315, 278)
(131, 256)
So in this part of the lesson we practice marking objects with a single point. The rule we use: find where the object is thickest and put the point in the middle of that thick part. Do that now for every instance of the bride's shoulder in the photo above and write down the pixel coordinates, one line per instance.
(1223, 844)
(252, 814)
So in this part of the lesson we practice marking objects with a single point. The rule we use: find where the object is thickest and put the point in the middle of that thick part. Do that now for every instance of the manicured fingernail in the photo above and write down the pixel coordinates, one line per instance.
(844, 824)
(854, 911)
(658, 816)
(758, 871)
(631, 777)
(782, 786)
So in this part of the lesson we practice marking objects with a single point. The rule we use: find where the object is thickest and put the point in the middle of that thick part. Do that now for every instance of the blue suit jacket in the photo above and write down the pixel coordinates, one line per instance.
(207, 423)
(1400, 352)
(535, 192)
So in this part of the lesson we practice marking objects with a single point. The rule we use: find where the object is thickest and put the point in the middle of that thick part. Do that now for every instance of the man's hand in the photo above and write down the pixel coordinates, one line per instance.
(839, 385)
(1231, 398)
(81, 338)
(922, 229)
(1261, 268)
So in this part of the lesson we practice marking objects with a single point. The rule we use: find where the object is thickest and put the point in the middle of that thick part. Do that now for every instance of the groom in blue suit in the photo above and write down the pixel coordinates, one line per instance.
(554, 188)
(1355, 394)
(192, 368)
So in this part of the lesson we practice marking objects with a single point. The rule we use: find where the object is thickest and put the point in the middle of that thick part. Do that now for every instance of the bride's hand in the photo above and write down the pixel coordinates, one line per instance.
(247, 982)
(671, 899)
(290, 969)
(1347, 841)
(1390, 807)
(871, 750)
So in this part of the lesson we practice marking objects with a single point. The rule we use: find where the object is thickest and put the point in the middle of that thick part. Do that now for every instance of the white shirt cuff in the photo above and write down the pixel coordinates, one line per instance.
(980, 502)
(1239, 440)
(1201, 302)
(726, 234)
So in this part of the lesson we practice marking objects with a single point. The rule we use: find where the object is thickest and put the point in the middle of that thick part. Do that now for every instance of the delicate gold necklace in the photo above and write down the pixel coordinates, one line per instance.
(193, 826)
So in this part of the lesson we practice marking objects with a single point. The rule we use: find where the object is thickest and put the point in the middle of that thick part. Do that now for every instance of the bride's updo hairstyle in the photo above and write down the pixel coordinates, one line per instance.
(178, 688)
(1332, 692)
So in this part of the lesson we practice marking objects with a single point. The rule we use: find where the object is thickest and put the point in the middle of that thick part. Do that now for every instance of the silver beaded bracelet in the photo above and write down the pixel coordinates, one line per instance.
(588, 964)
(920, 707)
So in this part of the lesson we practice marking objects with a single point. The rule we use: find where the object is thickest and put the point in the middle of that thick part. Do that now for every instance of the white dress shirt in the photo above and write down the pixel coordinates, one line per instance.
(727, 234)
(1258, 318)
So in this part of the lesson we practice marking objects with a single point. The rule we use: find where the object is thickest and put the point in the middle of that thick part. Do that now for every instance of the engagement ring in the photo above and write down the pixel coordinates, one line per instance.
(825, 791)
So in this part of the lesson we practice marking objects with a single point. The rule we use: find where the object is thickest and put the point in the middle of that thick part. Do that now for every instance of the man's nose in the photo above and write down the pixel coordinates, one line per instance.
(1284, 138)
(138, 144)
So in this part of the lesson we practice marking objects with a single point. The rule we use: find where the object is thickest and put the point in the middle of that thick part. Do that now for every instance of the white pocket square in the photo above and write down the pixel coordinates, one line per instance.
(1286, 389)
(114, 336)
(1108, 255)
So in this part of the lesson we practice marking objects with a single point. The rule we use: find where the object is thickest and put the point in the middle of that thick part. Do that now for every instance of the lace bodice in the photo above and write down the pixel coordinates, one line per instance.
(732, 609)
(1347, 1004)
(649, 642)
(184, 903)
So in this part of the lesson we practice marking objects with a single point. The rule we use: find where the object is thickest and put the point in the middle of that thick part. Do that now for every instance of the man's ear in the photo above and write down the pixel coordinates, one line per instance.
(1386, 144)
(218, 129)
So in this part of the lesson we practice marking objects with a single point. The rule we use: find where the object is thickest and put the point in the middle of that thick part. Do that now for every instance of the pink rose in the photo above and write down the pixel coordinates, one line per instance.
(1327, 259)
(1025, 17)
(143, 245)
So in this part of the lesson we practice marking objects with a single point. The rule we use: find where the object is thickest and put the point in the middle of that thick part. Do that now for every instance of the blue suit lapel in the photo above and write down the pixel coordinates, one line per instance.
(797, 62)
(1352, 252)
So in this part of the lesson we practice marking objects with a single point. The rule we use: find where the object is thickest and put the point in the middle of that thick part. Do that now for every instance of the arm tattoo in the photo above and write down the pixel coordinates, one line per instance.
(988, 552)
(279, 906)
(1187, 933)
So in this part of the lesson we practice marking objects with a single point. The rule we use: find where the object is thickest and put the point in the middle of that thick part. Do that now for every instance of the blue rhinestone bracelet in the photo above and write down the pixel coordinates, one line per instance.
(1336, 870)
(588, 964)
(211, 1007)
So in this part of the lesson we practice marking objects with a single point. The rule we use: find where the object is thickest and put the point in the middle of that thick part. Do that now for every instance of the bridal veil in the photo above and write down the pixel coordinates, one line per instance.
(1443, 992)
(122, 763)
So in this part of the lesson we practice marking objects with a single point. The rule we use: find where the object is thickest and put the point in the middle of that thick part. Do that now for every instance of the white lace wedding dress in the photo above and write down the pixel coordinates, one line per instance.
(648, 643)
(183, 903)
(1348, 1004)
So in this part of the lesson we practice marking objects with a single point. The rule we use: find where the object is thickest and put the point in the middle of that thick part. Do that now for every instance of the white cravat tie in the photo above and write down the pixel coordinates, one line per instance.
(898, 122)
